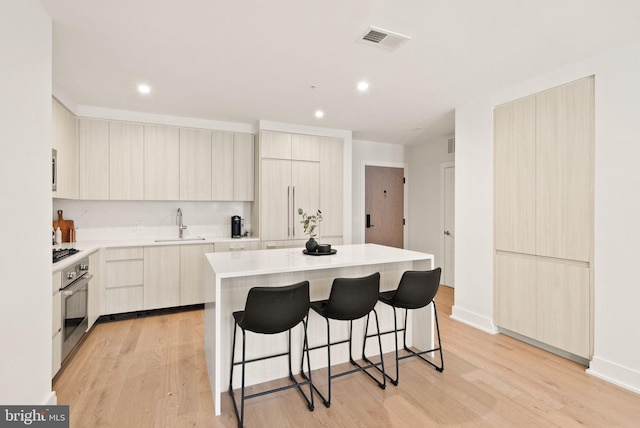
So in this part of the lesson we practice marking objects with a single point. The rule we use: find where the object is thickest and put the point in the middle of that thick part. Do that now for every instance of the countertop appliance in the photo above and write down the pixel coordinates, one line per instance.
(75, 291)
(236, 226)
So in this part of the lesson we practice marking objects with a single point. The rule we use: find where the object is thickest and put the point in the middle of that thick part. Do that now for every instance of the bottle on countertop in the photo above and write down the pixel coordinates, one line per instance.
(58, 236)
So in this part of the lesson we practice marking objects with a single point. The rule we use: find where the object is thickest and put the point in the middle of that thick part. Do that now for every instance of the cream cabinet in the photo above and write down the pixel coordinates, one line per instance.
(56, 324)
(195, 165)
(96, 288)
(126, 157)
(237, 245)
(285, 187)
(298, 171)
(93, 156)
(192, 264)
(124, 280)
(161, 277)
(243, 167)
(65, 141)
(161, 163)
(222, 166)
(543, 146)
(331, 187)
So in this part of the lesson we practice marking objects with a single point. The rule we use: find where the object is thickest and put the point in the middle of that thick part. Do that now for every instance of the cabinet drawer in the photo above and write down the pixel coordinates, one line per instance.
(124, 253)
(124, 299)
(124, 273)
(236, 246)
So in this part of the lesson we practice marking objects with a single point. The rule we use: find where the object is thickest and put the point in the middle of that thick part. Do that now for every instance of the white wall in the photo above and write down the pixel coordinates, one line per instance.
(369, 153)
(25, 183)
(617, 208)
(425, 195)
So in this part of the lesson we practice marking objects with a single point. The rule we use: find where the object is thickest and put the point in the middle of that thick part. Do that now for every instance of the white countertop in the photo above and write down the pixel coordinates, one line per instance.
(261, 262)
(88, 247)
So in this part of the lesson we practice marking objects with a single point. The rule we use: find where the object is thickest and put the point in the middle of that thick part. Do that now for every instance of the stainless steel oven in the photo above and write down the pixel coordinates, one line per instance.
(75, 291)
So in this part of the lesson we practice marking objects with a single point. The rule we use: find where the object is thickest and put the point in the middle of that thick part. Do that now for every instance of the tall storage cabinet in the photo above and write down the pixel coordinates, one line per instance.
(543, 147)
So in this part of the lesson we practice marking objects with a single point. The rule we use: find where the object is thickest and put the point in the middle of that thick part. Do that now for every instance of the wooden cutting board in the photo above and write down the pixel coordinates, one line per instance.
(66, 227)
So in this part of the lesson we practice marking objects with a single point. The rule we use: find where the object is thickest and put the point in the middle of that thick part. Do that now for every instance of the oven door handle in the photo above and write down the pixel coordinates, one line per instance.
(70, 290)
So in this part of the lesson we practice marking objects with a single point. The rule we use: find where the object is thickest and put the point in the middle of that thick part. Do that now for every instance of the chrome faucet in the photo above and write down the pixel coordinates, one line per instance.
(181, 227)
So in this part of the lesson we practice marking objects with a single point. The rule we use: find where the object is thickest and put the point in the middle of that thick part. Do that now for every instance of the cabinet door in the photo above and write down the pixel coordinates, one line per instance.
(331, 186)
(515, 295)
(192, 264)
(275, 145)
(305, 185)
(93, 155)
(65, 140)
(222, 166)
(195, 165)
(243, 167)
(161, 277)
(565, 117)
(563, 309)
(275, 204)
(161, 163)
(96, 288)
(305, 147)
(126, 148)
(515, 179)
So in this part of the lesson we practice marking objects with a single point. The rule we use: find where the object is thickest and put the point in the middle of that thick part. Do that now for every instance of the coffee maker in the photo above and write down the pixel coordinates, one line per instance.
(236, 226)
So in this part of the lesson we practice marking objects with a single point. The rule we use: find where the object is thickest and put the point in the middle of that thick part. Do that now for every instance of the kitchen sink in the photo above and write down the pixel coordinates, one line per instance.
(197, 238)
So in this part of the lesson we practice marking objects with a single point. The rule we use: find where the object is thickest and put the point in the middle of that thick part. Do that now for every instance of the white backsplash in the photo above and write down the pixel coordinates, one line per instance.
(99, 220)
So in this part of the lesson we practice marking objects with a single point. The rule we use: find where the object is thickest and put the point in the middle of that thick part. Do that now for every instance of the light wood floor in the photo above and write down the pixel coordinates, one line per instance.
(151, 372)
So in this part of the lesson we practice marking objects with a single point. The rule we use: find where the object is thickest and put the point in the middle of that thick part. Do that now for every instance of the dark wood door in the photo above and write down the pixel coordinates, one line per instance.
(384, 206)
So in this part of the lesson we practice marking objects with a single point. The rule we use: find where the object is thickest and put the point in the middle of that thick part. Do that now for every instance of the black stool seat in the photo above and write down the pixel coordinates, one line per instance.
(416, 290)
(272, 310)
(350, 299)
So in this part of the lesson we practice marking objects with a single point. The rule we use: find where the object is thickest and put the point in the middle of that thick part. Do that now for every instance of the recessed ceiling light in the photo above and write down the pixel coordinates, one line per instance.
(144, 89)
(319, 114)
(363, 86)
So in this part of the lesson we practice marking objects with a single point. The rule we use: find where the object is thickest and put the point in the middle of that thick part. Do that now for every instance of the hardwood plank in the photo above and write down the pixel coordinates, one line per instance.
(151, 372)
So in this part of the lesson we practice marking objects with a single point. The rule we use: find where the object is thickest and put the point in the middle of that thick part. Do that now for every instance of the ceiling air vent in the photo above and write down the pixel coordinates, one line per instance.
(383, 38)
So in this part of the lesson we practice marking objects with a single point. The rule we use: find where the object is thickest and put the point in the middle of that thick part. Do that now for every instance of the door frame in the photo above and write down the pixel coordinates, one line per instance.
(405, 208)
(443, 167)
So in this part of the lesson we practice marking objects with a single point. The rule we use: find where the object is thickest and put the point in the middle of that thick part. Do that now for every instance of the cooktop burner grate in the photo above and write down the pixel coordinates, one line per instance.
(61, 253)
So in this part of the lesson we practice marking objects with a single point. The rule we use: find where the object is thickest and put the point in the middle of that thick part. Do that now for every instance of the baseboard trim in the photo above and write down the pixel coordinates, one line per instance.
(473, 319)
(611, 372)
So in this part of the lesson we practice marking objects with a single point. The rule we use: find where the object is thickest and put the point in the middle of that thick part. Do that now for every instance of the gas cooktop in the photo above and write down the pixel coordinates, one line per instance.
(61, 253)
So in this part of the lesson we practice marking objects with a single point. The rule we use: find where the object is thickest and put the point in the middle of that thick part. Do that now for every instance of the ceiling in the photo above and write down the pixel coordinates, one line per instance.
(244, 61)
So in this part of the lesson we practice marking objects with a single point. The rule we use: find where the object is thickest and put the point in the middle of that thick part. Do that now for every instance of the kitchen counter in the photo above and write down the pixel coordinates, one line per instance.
(231, 275)
(88, 247)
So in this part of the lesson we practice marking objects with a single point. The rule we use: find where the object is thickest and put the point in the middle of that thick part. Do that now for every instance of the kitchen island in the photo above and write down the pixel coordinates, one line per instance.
(229, 276)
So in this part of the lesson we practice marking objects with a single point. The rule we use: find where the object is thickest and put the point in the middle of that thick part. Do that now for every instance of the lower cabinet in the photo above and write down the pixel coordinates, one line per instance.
(56, 325)
(161, 277)
(96, 288)
(124, 280)
(239, 245)
(192, 264)
(545, 299)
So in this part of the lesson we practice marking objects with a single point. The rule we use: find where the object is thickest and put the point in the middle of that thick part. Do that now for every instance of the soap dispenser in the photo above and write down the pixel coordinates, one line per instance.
(58, 235)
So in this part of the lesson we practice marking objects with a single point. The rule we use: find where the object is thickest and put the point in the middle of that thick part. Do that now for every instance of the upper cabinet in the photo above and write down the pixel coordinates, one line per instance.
(131, 161)
(126, 156)
(161, 163)
(283, 145)
(65, 141)
(195, 165)
(331, 186)
(93, 156)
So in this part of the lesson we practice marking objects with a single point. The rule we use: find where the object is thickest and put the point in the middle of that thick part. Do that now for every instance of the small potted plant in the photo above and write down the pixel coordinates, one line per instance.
(310, 223)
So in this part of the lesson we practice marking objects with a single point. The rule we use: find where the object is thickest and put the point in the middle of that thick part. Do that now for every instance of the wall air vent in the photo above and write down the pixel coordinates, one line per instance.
(383, 38)
(451, 146)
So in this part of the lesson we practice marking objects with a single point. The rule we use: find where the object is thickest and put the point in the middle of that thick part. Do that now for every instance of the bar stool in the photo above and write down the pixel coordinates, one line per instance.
(416, 290)
(350, 299)
(271, 310)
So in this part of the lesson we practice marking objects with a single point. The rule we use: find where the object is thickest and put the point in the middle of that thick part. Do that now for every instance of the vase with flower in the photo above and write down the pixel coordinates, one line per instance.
(310, 224)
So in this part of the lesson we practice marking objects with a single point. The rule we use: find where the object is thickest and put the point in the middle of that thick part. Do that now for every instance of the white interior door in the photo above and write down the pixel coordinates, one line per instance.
(449, 230)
